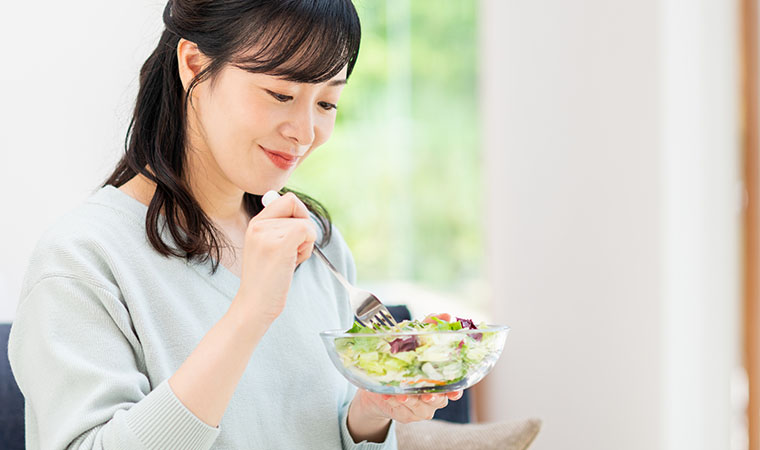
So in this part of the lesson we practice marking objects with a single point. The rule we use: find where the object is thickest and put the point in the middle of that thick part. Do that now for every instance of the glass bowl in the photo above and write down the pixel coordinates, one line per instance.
(415, 362)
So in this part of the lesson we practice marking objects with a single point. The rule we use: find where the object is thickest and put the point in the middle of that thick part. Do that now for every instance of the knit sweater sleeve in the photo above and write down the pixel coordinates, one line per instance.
(76, 358)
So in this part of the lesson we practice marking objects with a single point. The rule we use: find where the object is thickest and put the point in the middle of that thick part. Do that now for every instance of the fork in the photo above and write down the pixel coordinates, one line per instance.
(370, 311)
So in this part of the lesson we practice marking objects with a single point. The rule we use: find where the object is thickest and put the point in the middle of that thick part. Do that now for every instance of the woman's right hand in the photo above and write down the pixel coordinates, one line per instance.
(277, 239)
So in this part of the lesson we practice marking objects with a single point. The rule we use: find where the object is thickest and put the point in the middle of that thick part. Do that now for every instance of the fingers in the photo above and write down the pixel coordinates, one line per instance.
(402, 398)
(436, 401)
(304, 231)
(304, 250)
(414, 408)
(278, 217)
(455, 395)
(411, 409)
(287, 205)
(424, 406)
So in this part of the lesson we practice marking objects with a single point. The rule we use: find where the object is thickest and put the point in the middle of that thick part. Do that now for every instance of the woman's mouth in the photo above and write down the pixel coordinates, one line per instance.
(282, 160)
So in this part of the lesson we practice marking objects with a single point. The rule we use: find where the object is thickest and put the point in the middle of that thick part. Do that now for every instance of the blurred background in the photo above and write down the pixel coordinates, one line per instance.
(583, 171)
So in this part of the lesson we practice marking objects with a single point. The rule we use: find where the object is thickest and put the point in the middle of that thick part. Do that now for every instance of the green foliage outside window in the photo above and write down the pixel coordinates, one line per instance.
(401, 175)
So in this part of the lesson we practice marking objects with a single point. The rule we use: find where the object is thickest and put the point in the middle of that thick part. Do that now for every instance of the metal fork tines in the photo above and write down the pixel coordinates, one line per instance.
(369, 312)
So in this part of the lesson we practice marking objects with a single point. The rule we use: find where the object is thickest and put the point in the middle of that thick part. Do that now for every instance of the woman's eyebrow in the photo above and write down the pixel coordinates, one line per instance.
(337, 82)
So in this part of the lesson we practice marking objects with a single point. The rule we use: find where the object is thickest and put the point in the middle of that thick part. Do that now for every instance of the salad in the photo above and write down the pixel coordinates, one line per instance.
(433, 354)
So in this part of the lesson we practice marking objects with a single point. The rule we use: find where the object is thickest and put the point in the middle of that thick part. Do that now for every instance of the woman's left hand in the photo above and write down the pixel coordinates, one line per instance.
(403, 408)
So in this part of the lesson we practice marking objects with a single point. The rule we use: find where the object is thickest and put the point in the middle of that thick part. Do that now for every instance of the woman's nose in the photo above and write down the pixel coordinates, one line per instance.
(300, 127)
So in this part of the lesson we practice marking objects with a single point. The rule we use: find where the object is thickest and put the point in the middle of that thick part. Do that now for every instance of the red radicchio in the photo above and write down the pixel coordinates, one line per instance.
(467, 324)
(404, 344)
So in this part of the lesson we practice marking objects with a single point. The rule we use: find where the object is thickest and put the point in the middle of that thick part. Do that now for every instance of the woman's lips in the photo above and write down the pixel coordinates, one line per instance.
(281, 160)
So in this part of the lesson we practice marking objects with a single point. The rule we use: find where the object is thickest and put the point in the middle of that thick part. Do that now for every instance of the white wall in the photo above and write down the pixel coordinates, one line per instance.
(610, 130)
(69, 80)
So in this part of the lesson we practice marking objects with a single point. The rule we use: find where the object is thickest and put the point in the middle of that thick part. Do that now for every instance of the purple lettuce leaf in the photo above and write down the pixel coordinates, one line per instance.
(468, 324)
(407, 344)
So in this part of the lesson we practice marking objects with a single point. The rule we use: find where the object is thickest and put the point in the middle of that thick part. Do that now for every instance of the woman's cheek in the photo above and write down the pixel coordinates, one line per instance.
(324, 132)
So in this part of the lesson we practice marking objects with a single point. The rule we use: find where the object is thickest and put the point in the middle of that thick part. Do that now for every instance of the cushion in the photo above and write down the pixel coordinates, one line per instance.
(440, 435)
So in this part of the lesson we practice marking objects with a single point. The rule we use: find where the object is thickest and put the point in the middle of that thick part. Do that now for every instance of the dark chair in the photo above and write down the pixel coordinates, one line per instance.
(11, 400)
(458, 411)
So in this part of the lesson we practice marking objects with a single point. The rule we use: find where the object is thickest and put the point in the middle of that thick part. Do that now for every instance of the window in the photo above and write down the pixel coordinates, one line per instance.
(401, 174)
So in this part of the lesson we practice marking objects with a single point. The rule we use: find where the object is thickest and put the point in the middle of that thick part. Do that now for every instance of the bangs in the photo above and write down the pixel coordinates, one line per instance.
(304, 41)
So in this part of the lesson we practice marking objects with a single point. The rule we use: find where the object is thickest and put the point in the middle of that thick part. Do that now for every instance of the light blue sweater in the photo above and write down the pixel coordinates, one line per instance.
(104, 321)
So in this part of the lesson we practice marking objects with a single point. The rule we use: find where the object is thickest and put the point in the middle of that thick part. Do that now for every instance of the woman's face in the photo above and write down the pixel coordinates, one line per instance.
(254, 129)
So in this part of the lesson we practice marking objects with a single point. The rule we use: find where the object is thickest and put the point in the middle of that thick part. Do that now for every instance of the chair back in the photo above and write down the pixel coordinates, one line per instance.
(11, 400)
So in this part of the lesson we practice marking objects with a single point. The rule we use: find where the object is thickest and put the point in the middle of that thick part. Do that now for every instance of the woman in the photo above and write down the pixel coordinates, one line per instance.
(167, 311)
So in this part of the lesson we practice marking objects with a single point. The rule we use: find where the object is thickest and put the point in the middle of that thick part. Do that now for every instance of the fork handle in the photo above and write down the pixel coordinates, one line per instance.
(332, 268)
(268, 198)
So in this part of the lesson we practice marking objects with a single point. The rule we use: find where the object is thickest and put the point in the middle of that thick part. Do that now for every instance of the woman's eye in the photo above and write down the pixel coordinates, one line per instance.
(280, 97)
(328, 106)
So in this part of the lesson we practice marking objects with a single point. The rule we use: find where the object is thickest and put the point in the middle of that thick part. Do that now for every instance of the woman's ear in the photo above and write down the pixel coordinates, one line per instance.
(191, 61)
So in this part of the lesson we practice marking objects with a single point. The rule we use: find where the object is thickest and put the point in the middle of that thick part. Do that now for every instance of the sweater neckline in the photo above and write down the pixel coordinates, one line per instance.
(223, 280)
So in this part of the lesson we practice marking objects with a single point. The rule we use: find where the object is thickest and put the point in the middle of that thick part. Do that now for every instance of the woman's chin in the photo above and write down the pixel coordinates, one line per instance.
(262, 187)
(259, 180)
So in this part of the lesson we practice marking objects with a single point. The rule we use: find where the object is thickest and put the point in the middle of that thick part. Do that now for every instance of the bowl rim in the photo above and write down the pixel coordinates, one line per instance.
(342, 333)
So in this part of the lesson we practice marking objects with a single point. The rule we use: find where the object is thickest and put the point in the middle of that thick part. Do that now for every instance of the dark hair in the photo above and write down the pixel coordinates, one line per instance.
(298, 40)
